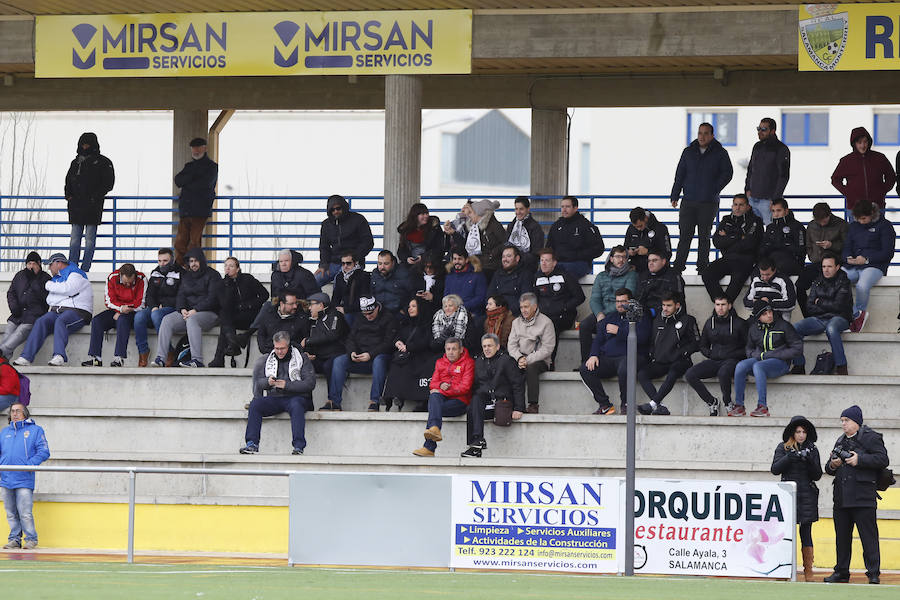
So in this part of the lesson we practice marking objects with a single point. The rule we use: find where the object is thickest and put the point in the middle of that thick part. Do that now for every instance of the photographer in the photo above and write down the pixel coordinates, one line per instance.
(858, 457)
(797, 460)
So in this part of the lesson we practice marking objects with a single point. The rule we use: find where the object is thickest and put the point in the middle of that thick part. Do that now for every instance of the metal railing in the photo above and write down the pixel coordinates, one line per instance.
(132, 473)
(255, 228)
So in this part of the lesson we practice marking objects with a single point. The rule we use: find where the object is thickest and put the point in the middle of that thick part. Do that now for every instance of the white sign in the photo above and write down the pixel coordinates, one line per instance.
(724, 528)
(535, 523)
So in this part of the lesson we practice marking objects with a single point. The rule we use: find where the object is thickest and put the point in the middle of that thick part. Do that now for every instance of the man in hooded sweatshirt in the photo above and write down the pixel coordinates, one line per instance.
(868, 251)
(864, 174)
(575, 240)
(27, 299)
(342, 231)
(197, 181)
(90, 177)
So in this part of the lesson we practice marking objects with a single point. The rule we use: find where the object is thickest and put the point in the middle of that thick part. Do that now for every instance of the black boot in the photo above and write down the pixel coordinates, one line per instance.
(219, 358)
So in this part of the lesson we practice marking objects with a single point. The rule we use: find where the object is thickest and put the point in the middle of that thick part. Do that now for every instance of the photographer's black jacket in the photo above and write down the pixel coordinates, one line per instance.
(803, 469)
(854, 487)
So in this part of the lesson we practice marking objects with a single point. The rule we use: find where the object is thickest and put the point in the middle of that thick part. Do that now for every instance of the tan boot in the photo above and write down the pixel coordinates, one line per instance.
(143, 358)
(170, 358)
(807, 552)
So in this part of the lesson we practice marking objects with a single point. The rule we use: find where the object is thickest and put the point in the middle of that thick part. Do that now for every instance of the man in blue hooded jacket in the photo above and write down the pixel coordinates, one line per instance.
(21, 443)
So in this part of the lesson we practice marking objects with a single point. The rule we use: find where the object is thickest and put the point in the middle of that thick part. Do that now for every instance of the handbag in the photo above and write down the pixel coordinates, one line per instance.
(503, 409)
(824, 364)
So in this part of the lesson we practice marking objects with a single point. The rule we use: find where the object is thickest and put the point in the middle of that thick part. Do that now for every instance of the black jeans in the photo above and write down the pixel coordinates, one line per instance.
(738, 266)
(723, 369)
(586, 330)
(607, 367)
(532, 382)
(672, 371)
(809, 274)
(475, 416)
(691, 216)
(561, 322)
(867, 528)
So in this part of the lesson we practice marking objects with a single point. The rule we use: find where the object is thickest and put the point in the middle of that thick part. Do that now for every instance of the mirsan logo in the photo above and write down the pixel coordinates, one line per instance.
(84, 36)
(284, 56)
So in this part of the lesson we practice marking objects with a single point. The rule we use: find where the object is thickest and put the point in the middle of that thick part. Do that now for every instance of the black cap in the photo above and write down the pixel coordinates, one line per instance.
(198, 141)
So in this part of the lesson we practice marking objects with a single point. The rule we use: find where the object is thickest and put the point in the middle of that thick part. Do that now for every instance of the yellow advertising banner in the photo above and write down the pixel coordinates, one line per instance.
(218, 44)
(849, 37)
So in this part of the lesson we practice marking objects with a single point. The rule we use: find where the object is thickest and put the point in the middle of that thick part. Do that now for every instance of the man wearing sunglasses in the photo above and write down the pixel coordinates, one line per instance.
(342, 231)
(768, 171)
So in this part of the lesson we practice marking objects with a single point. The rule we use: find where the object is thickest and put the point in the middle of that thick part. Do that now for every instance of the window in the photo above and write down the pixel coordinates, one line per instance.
(804, 129)
(585, 179)
(887, 129)
(491, 151)
(724, 126)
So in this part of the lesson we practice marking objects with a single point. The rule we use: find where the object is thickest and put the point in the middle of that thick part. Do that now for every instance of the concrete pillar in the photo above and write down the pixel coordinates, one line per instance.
(548, 158)
(402, 151)
(186, 125)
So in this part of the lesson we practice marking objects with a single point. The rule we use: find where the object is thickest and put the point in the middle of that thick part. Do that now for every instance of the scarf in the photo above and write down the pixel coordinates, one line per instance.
(519, 237)
(617, 271)
(494, 321)
(455, 324)
(348, 275)
(429, 281)
(293, 368)
(473, 241)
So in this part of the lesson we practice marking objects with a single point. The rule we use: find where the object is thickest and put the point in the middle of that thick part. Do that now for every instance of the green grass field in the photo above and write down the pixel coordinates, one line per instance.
(101, 581)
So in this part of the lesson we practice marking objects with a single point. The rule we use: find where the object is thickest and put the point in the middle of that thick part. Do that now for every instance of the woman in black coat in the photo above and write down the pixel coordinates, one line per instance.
(413, 362)
(421, 235)
(797, 459)
(242, 298)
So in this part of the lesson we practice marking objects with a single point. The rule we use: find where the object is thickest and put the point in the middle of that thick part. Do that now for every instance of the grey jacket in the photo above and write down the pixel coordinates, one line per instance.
(534, 339)
(301, 387)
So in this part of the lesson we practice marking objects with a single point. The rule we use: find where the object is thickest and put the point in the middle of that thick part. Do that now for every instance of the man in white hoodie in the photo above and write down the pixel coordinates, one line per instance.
(71, 304)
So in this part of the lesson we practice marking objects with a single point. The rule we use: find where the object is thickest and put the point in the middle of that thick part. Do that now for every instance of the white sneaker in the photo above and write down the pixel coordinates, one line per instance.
(117, 361)
(57, 361)
(22, 362)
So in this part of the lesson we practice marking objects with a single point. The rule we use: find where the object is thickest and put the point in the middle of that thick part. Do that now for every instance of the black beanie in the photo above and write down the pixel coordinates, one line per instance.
(33, 256)
(854, 413)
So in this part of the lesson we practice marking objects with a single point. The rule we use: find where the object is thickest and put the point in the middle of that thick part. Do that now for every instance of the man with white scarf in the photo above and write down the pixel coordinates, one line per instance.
(283, 381)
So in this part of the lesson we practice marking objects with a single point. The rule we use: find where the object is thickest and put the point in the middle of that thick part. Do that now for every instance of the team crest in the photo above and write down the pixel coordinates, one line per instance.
(824, 35)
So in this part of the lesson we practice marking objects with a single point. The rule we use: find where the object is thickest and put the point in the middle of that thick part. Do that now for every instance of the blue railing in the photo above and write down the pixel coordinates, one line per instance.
(254, 228)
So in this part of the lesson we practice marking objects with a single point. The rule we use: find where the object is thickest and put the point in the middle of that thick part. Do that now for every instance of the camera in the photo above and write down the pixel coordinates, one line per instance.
(841, 453)
(633, 311)
(802, 453)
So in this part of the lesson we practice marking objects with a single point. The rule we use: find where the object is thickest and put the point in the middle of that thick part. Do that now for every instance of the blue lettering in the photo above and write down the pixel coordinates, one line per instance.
(146, 35)
(882, 38)
(321, 39)
(395, 38)
(190, 40)
(219, 37)
(372, 33)
(347, 37)
(428, 38)
(481, 494)
(164, 33)
(109, 40)
(545, 489)
(523, 492)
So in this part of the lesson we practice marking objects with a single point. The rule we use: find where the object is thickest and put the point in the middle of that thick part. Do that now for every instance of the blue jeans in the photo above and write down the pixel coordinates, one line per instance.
(60, 325)
(832, 328)
(18, 503)
(343, 366)
(440, 406)
(144, 319)
(268, 406)
(769, 368)
(762, 207)
(89, 233)
(577, 269)
(863, 278)
(8, 400)
(328, 275)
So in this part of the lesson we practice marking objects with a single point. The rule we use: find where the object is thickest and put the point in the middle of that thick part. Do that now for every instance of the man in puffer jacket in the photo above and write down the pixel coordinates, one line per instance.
(196, 310)
(342, 231)
(21, 443)
(71, 301)
(864, 174)
(825, 233)
(27, 299)
(451, 392)
(125, 292)
(90, 177)
(617, 274)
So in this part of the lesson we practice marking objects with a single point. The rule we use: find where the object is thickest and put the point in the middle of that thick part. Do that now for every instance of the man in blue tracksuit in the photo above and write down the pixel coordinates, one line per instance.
(21, 443)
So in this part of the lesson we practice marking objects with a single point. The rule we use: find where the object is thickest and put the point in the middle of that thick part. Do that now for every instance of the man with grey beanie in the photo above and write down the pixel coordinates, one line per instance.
(858, 457)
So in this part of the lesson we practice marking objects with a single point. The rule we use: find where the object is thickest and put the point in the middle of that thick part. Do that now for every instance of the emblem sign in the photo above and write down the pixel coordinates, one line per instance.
(825, 35)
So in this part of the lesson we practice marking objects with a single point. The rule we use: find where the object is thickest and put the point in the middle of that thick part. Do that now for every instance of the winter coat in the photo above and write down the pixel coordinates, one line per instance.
(469, 285)
(197, 181)
(835, 232)
(743, 235)
(432, 245)
(785, 235)
(162, 287)
(437, 291)
(270, 322)
(874, 241)
(200, 290)
(500, 378)
(724, 338)
(492, 237)
(831, 297)
(298, 387)
(674, 337)
(535, 234)
(769, 168)
(511, 285)
(119, 296)
(70, 288)
(460, 374)
(416, 334)
(90, 177)
(376, 336)
(855, 487)
(774, 340)
(651, 287)
(534, 338)
(654, 236)
(328, 334)
(804, 471)
(348, 233)
(867, 176)
(22, 443)
(615, 345)
(298, 279)
(242, 295)
(603, 292)
(558, 292)
(702, 175)
(779, 290)
(347, 294)
(27, 296)
(9, 379)
(394, 289)
(575, 239)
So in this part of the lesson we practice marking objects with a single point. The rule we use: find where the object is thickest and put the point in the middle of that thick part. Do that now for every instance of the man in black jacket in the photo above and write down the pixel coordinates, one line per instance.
(830, 308)
(197, 181)
(858, 457)
(90, 177)
(27, 299)
(575, 240)
(350, 284)
(242, 299)
(526, 234)
(285, 316)
(327, 334)
(497, 378)
(288, 273)
(723, 342)
(656, 281)
(768, 170)
(559, 293)
(159, 300)
(512, 280)
(784, 240)
(674, 337)
(645, 234)
(342, 231)
(738, 237)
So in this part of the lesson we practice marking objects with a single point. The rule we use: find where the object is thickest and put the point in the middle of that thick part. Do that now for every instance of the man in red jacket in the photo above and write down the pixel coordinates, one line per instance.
(125, 289)
(864, 174)
(451, 391)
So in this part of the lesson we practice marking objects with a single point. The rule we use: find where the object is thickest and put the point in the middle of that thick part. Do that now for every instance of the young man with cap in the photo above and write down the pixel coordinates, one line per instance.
(89, 179)
(27, 299)
(197, 181)
(71, 301)
(858, 457)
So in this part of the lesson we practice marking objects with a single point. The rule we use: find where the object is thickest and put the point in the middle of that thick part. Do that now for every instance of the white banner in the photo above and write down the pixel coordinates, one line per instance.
(723, 528)
(535, 523)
